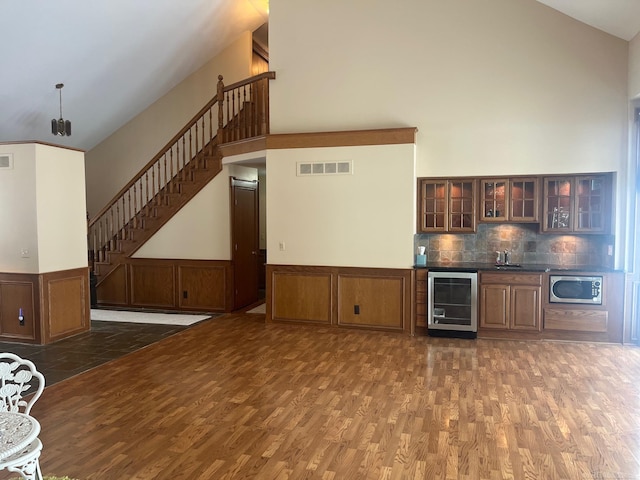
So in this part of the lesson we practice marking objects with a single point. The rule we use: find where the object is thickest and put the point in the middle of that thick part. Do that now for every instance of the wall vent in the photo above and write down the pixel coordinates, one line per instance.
(6, 160)
(343, 167)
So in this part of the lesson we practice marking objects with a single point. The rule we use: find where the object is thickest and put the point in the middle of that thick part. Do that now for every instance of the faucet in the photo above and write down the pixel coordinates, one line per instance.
(507, 255)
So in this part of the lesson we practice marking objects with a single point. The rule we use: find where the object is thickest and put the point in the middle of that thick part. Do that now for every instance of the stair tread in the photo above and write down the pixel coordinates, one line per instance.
(160, 208)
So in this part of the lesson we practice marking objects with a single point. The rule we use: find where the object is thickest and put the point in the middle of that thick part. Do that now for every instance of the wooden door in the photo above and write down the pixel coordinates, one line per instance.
(495, 306)
(558, 194)
(244, 241)
(590, 204)
(525, 307)
(462, 206)
(432, 206)
(494, 200)
(524, 200)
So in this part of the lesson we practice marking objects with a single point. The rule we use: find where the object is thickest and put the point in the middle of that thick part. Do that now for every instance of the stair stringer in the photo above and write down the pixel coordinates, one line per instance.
(154, 216)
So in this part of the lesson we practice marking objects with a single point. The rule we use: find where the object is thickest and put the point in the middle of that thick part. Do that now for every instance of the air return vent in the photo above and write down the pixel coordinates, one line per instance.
(6, 161)
(343, 167)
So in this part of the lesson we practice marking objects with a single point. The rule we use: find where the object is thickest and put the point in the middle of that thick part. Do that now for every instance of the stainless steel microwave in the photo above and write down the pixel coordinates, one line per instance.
(575, 289)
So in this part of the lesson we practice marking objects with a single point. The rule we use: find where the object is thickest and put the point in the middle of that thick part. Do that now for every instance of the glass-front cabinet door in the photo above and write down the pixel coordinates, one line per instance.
(590, 204)
(462, 206)
(558, 204)
(447, 205)
(523, 200)
(493, 200)
(578, 204)
(432, 206)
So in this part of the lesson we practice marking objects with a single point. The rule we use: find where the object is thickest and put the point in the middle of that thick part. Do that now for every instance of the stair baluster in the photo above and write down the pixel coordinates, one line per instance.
(245, 115)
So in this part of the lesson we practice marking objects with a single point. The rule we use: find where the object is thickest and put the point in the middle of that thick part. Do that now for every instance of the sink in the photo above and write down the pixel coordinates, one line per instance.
(501, 266)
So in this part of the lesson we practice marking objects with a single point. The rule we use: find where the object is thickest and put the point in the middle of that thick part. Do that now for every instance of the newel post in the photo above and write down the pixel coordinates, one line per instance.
(220, 96)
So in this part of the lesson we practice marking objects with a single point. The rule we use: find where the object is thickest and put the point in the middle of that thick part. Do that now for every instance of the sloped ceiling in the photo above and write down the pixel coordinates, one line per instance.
(117, 57)
(114, 57)
(620, 18)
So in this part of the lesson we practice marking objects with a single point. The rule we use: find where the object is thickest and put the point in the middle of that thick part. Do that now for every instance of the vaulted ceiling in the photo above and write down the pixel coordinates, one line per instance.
(117, 57)
(620, 18)
(114, 58)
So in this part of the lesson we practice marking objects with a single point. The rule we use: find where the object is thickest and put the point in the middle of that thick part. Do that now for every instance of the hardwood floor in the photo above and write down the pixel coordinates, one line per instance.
(233, 398)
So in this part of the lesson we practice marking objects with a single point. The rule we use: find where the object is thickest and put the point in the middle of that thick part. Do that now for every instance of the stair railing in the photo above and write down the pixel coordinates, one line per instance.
(242, 113)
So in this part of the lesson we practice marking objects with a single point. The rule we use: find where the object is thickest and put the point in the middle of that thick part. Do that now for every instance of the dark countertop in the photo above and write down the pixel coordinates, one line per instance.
(476, 267)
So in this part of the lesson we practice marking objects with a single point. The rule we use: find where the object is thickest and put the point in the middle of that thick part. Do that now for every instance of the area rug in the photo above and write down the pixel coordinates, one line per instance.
(146, 317)
(259, 309)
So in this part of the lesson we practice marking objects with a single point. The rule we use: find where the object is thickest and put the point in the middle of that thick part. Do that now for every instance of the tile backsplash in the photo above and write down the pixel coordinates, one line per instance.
(523, 241)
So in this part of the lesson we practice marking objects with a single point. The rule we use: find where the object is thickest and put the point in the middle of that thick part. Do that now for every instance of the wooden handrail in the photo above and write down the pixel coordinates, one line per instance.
(185, 129)
(245, 115)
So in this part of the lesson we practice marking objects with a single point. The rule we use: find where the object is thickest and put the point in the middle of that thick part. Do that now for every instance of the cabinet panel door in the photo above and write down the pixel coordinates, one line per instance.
(494, 200)
(432, 207)
(558, 208)
(525, 307)
(494, 306)
(16, 297)
(590, 204)
(524, 200)
(462, 206)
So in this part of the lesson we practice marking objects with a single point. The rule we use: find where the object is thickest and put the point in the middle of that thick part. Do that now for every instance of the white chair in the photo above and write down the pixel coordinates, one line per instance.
(17, 376)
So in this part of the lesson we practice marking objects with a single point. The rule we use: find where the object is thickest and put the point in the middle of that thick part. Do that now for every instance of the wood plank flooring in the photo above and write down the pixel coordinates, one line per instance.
(233, 398)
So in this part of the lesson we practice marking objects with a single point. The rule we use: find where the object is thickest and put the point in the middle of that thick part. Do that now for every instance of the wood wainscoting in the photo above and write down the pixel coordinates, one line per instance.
(190, 285)
(53, 305)
(373, 298)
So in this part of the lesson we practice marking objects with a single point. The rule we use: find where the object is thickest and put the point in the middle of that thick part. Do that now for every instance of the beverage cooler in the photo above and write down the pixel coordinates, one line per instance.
(453, 304)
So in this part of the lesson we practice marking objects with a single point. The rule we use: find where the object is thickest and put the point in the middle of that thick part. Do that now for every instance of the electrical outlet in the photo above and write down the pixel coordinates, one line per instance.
(185, 294)
(282, 246)
(24, 253)
(356, 309)
(610, 250)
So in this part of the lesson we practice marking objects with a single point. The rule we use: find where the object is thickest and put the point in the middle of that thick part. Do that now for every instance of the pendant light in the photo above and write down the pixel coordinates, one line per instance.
(60, 127)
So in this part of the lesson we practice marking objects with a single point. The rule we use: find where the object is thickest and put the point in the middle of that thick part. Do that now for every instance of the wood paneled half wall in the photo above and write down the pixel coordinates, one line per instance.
(374, 298)
(190, 285)
(43, 308)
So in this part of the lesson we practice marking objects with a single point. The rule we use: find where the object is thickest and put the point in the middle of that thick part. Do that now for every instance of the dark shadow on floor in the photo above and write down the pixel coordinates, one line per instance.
(105, 342)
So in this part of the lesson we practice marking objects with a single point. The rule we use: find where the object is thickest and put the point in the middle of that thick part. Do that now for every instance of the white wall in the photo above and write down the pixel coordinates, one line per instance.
(44, 214)
(112, 163)
(360, 220)
(18, 220)
(494, 87)
(61, 209)
(201, 230)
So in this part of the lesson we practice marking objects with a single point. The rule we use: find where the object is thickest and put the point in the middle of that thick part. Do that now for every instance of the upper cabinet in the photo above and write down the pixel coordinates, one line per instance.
(559, 203)
(446, 205)
(509, 200)
(579, 204)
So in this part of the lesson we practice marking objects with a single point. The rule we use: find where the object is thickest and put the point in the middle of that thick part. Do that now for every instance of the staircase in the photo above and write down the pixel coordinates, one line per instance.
(189, 161)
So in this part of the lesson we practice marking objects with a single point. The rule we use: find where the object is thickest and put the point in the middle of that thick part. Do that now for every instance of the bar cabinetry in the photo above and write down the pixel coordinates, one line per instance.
(446, 205)
(510, 301)
(579, 204)
(509, 200)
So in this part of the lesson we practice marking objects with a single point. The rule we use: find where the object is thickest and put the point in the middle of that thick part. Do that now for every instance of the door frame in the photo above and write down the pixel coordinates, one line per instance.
(249, 185)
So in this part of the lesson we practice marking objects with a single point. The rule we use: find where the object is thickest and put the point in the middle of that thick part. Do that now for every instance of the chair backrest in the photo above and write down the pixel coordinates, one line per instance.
(17, 378)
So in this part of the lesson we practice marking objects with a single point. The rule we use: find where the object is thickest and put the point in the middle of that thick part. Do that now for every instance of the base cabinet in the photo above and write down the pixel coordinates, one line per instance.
(344, 297)
(42, 308)
(17, 310)
(421, 300)
(510, 301)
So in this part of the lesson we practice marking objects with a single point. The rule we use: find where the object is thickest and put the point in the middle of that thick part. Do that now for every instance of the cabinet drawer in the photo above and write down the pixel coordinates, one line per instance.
(511, 278)
(576, 320)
